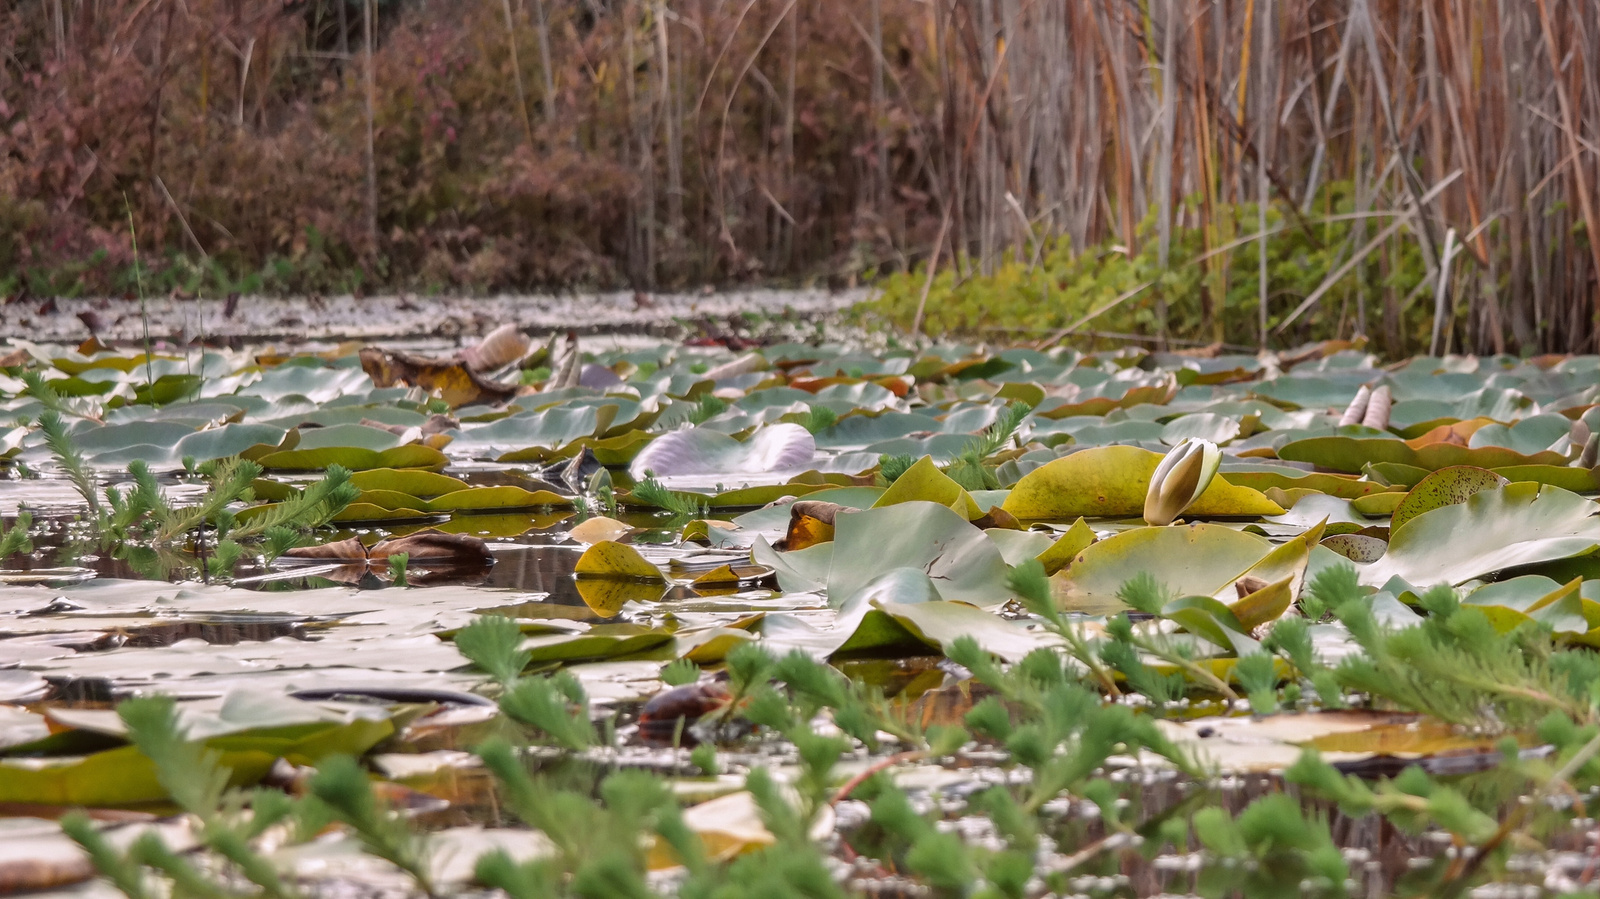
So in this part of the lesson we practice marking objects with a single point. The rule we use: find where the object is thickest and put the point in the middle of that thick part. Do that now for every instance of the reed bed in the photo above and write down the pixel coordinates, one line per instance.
(1439, 158)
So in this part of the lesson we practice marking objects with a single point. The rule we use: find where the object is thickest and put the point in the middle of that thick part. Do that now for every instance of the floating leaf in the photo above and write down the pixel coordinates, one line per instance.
(964, 562)
(608, 559)
(599, 529)
(355, 458)
(1578, 480)
(1495, 529)
(1342, 486)
(606, 596)
(1207, 618)
(1378, 505)
(924, 482)
(1067, 547)
(412, 481)
(1192, 560)
(496, 499)
(1352, 454)
(1357, 547)
(1111, 482)
(1264, 605)
(702, 451)
(1444, 487)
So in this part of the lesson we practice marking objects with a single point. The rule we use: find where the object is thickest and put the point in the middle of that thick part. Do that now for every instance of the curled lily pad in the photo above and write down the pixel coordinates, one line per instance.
(702, 451)
(1357, 547)
(1495, 529)
(924, 482)
(1377, 505)
(1066, 547)
(1205, 617)
(1509, 603)
(1264, 604)
(1111, 482)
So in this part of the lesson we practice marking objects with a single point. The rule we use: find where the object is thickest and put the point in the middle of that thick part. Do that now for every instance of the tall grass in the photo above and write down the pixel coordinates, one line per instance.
(677, 141)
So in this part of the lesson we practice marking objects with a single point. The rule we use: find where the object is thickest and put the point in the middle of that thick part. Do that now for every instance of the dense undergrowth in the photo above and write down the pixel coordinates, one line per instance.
(526, 144)
(1205, 295)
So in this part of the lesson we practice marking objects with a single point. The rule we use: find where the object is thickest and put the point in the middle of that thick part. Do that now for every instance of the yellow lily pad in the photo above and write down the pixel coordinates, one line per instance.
(1111, 482)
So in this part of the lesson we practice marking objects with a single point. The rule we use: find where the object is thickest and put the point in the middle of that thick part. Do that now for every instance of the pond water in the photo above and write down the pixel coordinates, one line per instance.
(865, 509)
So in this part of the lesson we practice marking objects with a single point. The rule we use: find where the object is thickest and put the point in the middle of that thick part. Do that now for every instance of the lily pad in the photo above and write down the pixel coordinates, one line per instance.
(964, 563)
(702, 451)
(1110, 482)
(1196, 559)
(496, 499)
(608, 559)
(1495, 529)
(1352, 454)
(1443, 488)
(356, 458)
(924, 482)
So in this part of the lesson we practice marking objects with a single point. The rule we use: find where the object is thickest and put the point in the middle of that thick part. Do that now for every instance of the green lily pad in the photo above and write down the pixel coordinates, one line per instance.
(551, 428)
(496, 499)
(756, 497)
(1352, 454)
(1342, 486)
(360, 512)
(412, 481)
(924, 482)
(1578, 480)
(249, 733)
(1495, 529)
(600, 642)
(962, 560)
(609, 559)
(355, 458)
(1442, 488)
(1189, 560)
(1377, 505)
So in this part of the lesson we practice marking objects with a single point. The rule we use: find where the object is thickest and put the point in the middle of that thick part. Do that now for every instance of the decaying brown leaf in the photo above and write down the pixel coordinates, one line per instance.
(451, 379)
(810, 523)
(347, 550)
(435, 547)
(458, 554)
(40, 865)
(668, 714)
(997, 517)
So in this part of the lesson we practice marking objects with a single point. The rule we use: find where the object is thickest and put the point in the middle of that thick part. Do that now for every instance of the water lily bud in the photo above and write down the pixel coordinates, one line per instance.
(1180, 479)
